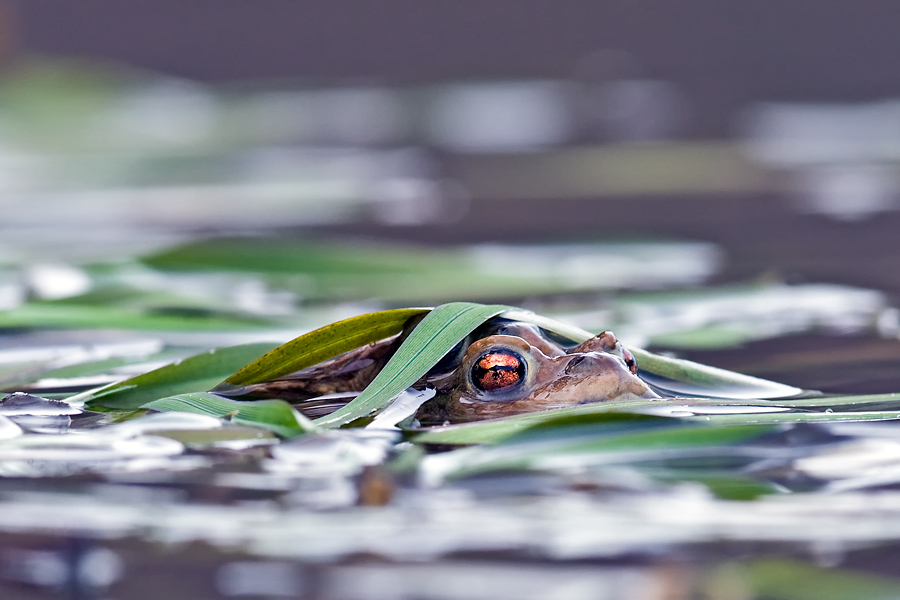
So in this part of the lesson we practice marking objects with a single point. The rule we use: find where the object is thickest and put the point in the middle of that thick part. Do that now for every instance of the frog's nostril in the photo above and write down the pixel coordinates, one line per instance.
(573, 364)
(629, 361)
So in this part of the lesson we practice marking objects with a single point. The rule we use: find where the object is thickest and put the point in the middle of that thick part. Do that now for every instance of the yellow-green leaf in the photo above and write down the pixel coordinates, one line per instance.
(320, 345)
(275, 415)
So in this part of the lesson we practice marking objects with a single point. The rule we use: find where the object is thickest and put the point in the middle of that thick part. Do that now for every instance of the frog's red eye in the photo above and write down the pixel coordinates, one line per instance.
(498, 370)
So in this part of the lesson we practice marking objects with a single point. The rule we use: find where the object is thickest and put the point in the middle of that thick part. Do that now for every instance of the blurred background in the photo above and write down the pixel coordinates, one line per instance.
(770, 130)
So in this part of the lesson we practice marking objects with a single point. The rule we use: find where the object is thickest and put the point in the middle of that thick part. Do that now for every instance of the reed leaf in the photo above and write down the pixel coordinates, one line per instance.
(197, 373)
(320, 345)
(442, 329)
(277, 416)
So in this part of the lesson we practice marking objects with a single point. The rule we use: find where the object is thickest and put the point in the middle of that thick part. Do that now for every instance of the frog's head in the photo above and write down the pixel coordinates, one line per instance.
(514, 367)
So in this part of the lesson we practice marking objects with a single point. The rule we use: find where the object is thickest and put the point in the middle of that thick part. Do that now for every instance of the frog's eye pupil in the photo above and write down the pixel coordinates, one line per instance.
(498, 370)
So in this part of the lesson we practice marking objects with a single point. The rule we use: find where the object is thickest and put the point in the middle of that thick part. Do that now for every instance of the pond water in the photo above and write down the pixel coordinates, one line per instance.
(694, 498)
(98, 509)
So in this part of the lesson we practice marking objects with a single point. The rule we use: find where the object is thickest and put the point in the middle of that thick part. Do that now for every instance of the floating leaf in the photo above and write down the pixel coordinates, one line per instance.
(197, 373)
(442, 329)
(593, 424)
(687, 377)
(843, 403)
(323, 269)
(272, 255)
(785, 418)
(275, 415)
(593, 439)
(496, 430)
(640, 433)
(818, 409)
(320, 345)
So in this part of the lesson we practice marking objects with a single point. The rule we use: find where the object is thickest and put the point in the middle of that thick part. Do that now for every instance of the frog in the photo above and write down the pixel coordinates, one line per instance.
(503, 368)
(510, 368)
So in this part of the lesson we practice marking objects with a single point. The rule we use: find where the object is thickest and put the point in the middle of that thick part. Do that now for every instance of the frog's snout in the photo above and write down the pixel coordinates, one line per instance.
(593, 363)
(604, 342)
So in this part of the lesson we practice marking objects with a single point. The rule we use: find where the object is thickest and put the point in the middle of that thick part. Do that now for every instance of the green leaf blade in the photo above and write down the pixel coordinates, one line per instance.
(687, 377)
(320, 345)
(437, 334)
(196, 373)
(275, 415)
(612, 438)
(787, 579)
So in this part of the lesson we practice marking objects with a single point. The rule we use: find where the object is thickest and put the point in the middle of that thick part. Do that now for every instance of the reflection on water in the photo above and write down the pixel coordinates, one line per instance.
(157, 155)
(840, 157)
(725, 318)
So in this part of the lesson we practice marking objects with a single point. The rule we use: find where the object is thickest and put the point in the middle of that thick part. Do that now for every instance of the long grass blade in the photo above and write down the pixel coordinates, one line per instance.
(275, 415)
(197, 373)
(320, 345)
(435, 336)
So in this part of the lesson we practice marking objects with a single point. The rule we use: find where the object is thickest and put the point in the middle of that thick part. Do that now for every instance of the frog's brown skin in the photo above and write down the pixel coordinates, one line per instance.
(349, 372)
(597, 370)
(548, 376)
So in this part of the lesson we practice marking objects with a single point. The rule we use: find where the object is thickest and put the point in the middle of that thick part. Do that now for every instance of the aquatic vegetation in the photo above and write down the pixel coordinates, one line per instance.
(708, 409)
(165, 411)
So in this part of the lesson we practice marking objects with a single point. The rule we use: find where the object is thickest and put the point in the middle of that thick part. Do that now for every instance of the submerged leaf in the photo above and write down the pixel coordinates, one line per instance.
(442, 329)
(320, 345)
(784, 579)
(723, 485)
(197, 373)
(275, 415)
(199, 438)
(60, 314)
